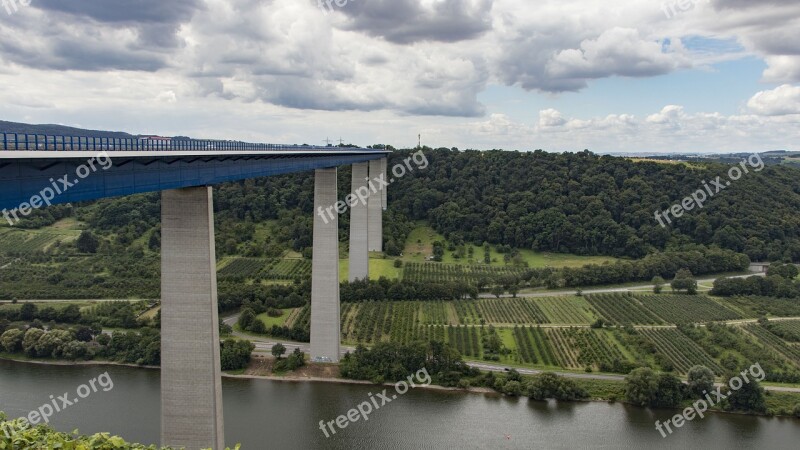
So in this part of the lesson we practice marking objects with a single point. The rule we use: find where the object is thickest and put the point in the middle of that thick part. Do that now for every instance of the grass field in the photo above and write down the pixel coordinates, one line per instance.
(279, 321)
(419, 246)
(378, 267)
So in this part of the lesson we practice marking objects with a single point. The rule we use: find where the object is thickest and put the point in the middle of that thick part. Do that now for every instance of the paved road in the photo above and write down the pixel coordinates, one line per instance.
(265, 344)
(633, 288)
(597, 376)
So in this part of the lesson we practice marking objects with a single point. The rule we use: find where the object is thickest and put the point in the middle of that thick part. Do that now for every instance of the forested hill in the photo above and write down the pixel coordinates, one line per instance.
(587, 204)
(572, 203)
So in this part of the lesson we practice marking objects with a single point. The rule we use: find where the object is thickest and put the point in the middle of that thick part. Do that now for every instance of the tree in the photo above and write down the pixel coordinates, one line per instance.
(246, 318)
(278, 350)
(74, 350)
(87, 242)
(549, 385)
(294, 361)
(684, 280)
(658, 284)
(512, 388)
(51, 344)
(30, 340)
(235, 355)
(11, 340)
(641, 386)
(28, 311)
(788, 271)
(750, 397)
(257, 326)
(83, 334)
(670, 391)
(70, 314)
(700, 379)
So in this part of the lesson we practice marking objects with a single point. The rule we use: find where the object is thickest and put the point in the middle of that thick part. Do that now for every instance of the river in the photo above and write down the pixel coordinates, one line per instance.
(264, 414)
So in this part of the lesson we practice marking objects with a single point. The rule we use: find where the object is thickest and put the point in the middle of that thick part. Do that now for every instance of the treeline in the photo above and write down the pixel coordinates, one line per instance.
(141, 347)
(391, 362)
(232, 296)
(122, 314)
(399, 290)
(82, 343)
(780, 282)
(667, 264)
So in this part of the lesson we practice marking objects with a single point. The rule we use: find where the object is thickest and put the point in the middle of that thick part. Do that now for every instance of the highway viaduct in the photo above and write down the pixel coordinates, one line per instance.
(38, 170)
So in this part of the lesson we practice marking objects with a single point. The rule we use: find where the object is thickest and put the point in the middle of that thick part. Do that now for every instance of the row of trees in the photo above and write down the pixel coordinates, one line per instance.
(142, 347)
(390, 362)
(644, 387)
(770, 286)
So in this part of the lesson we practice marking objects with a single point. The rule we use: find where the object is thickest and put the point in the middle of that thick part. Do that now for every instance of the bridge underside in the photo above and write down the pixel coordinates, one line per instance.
(23, 176)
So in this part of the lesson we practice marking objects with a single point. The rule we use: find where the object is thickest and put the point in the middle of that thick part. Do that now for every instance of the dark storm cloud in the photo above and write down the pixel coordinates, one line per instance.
(128, 11)
(407, 21)
(90, 34)
(67, 54)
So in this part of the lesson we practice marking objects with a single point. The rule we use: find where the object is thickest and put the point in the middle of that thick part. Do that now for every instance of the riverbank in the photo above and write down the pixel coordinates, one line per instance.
(779, 404)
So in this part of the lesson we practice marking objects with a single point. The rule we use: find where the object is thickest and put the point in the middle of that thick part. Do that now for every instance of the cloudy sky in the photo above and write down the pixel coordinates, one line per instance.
(560, 75)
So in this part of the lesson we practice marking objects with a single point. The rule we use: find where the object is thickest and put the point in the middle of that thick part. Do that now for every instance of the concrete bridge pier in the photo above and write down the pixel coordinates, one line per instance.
(375, 208)
(191, 388)
(384, 191)
(325, 328)
(359, 251)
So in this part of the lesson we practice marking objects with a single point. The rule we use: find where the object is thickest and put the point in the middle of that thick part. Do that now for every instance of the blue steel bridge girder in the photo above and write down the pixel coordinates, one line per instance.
(26, 176)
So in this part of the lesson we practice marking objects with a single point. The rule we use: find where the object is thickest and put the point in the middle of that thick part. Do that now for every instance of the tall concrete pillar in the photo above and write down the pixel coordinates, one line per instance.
(191, 387)
(384, 191)
(375, 209)
(325, 271)
(359, 251)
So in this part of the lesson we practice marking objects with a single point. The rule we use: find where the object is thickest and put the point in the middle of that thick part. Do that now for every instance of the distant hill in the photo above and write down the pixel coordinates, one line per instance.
(50, 129)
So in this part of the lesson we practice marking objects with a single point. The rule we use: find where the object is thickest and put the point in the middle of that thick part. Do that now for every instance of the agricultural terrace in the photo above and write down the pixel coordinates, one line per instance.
(555, 332)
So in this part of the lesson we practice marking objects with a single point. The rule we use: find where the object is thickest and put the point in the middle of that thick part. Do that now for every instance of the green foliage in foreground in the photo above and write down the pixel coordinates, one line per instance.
(17, 434)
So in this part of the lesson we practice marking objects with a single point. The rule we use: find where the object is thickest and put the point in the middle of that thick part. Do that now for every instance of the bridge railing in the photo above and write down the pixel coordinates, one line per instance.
(21, 141)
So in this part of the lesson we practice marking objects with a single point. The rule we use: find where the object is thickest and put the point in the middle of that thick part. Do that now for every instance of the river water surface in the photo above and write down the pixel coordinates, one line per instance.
(262, 414)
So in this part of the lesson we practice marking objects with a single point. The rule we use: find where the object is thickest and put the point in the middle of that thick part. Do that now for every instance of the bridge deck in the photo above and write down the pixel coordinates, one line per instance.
(94, 168)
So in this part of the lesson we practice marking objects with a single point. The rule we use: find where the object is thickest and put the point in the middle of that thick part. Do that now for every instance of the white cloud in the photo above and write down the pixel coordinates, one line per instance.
(551, 118)
(780, 101)
(618, 51)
